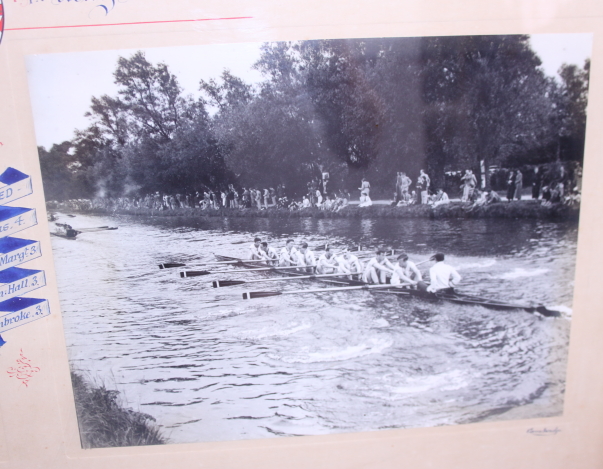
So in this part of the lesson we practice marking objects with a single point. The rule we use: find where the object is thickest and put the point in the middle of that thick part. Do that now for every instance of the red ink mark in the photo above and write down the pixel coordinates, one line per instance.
(24, 372)
(129, 24)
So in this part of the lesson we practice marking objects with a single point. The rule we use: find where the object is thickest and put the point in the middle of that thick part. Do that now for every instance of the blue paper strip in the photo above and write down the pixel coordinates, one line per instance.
(20, 311)
(15, 219)
(16, 251)
(14, 185)
(15, 281)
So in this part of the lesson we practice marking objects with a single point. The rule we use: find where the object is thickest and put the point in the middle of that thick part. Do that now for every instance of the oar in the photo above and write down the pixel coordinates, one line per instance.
(98, 228)
(197, 273)
(262, 294)
(230, 283)
(239, 261)
(529, 309)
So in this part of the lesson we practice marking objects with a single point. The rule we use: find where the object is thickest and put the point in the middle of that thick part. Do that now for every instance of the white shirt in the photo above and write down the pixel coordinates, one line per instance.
(412, 270)
(374, 263)
(353, 264)
(443, 276)
(255, 252)
(401, 274)
(271, 254)
(306, 259)
(325, 265)
(288, 256)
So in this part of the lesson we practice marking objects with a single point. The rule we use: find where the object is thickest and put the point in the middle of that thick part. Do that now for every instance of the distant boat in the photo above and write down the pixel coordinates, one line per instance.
(66, 231)
(63, 230)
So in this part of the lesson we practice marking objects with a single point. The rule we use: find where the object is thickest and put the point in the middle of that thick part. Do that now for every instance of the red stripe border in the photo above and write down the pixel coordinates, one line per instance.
(129, 24)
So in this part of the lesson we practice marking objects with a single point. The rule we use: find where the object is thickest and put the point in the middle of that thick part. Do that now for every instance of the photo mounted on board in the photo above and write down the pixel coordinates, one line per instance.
(314, 237)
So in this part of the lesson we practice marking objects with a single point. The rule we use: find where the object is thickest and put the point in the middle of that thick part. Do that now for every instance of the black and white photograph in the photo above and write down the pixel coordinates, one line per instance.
(313, 237)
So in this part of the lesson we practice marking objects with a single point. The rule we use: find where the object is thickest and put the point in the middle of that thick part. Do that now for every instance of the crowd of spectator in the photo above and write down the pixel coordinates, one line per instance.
(549, 185)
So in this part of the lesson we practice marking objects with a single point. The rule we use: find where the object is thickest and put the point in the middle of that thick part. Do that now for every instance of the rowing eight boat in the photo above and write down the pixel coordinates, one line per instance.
(451, 297)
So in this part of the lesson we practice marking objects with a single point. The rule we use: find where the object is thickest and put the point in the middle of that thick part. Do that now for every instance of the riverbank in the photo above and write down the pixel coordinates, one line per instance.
(105, 422)
(528, 209)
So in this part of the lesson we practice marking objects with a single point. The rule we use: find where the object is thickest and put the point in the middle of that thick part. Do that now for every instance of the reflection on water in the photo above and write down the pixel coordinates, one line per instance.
(211, 366)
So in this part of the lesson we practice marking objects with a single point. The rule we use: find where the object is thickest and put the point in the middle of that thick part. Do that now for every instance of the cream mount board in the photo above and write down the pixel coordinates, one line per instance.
(49, 53)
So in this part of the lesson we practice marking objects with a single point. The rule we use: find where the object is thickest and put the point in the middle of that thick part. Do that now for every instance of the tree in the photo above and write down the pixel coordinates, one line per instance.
(151, 95)
(487, 98)
(571, 98)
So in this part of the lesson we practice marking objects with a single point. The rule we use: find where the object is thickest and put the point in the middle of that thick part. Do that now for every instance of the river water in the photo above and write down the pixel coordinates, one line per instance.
(210, 366)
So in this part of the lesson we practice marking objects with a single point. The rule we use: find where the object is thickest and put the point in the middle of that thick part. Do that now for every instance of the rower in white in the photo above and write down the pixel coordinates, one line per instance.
(326, 263)
(349, 264)
(305, 258)
(287, 255)
(269, 254)
(405, 271)
(254, 250)
(377, 268)
(443, 278)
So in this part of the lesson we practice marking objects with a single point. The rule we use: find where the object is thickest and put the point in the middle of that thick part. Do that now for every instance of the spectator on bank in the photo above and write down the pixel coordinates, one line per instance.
(365, 201)
(423, 183)
(396, 199)
(469, 184)
(536, 183)
(318, 198)
(511, 186)
(266, 198)
(273, 196)
(441, 198)
(258, 199)
(325, 180)
(492, 197)
(365, 189)
(403, 183)
(518, 184)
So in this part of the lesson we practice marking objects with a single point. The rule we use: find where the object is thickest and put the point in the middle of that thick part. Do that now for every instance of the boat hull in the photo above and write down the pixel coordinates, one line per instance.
(458, 298)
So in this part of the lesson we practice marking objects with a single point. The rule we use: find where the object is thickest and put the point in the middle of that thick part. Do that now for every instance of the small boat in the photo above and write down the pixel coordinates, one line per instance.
(451, 297)
(66, 231)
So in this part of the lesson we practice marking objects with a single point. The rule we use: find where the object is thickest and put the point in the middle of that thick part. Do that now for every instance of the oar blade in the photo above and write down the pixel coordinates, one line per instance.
(227, 283)
(171, 266)
(547, 312)
(260, 294)
(194, 273)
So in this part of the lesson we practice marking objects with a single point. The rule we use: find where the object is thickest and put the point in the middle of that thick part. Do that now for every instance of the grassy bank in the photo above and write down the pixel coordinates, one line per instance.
(529, 209)
(105, 422)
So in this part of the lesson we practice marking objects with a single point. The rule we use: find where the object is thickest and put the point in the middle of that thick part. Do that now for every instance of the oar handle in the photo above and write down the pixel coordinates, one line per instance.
(263, 294)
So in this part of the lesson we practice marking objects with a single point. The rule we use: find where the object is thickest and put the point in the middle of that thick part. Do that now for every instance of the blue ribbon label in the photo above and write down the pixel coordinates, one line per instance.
(14, 185)
(19, 311)
(15, 251)
(15, 219)
(16, 281)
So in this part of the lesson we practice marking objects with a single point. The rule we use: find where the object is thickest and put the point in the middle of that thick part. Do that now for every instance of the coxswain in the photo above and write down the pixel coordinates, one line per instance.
(254, 250)
(287, 255)
(377, 268)
(405, 271)
(305, 258)
(326, 263)
(268, 253)
(443, 278)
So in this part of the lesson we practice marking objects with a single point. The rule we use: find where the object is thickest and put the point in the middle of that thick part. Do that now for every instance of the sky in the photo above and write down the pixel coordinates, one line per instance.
(61, 85)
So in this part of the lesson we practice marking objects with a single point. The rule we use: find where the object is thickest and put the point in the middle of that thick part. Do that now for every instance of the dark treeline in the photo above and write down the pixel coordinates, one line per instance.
(354, 108)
